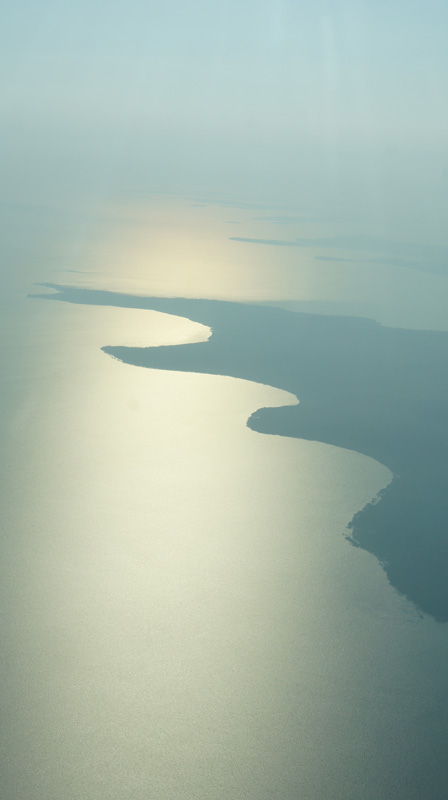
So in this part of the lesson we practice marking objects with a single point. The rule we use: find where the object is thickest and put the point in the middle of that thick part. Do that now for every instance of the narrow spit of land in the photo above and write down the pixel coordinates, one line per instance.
(379, 391)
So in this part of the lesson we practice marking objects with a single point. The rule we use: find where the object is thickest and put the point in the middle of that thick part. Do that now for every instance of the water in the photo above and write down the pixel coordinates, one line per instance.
(183, 616)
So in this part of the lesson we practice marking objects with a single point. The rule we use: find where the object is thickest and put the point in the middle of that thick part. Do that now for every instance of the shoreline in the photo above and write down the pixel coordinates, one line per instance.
(378, 391)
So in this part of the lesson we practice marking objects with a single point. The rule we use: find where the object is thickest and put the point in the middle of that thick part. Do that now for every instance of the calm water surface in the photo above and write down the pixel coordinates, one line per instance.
(182, 615)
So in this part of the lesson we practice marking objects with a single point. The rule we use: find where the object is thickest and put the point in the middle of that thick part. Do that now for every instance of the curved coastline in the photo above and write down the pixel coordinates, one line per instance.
(382, 392)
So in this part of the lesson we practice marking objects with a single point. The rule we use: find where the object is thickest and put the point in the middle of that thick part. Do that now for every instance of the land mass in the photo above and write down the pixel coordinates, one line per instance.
(379, 391)
(424, 258)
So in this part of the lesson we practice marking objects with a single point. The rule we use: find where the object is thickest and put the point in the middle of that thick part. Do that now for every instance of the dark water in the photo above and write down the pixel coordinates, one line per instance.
(378, 391)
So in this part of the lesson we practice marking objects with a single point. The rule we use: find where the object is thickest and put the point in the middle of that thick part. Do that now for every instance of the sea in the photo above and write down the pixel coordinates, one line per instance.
(183, 614)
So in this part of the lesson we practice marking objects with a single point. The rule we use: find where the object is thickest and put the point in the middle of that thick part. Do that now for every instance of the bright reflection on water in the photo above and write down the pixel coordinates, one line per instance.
(183, 616)
(173, 246)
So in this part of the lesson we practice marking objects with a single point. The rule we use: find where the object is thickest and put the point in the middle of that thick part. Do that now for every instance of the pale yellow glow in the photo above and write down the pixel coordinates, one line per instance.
(171, 247)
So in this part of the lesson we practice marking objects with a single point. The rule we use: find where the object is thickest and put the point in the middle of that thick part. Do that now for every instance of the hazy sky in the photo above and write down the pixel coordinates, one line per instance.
(344, 99)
